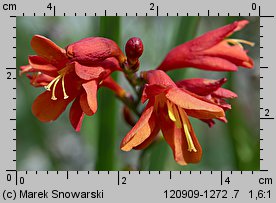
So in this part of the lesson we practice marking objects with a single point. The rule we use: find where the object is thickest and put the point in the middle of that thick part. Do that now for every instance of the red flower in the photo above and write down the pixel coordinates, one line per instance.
(209, 91)
(72, 75)
(211, 51)
(168, 109)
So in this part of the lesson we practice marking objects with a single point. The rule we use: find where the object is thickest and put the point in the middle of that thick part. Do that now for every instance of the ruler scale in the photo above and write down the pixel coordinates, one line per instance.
(137, 186)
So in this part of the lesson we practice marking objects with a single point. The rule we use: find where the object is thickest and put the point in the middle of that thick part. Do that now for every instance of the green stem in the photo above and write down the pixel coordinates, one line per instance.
(109, 28)
(134, 80)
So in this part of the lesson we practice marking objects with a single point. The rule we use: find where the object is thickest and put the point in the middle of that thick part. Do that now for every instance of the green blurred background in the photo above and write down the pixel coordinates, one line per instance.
(56, 146)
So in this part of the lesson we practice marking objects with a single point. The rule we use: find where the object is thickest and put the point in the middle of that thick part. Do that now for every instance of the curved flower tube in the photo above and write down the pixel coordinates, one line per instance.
(211, 51)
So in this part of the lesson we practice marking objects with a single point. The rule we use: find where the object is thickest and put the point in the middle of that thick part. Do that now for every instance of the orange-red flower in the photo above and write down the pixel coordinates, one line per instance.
(209, 91)
(168, 109)
(72, 74)
(211, 51)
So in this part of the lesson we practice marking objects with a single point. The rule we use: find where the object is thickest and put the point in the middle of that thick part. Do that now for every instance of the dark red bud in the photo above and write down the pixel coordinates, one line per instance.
(134, 49)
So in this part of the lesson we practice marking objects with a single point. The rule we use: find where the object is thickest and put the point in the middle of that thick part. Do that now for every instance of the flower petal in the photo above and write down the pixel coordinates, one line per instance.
(39, 64)
(39, 79)
(94, 49)
(151, 91)
(150, 139)
(49, 51)
(224, 93)
(234, 53)
(84, 105)
(76, 115)
(212, 63)
(240, 25)
(202, 109)
(210, 122)
(211, 38)
(46, 109)
(110, 64)
(176, 138)
(201, 86)
(158, 77)
(142, 131)
(88, 72)
(26, 69)
(91, 89)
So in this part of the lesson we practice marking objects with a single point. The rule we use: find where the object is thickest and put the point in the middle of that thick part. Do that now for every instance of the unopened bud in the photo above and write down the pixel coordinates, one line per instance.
(134, 49)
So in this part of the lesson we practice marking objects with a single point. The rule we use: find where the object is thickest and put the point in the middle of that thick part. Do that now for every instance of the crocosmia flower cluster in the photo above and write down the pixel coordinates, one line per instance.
(75, 73)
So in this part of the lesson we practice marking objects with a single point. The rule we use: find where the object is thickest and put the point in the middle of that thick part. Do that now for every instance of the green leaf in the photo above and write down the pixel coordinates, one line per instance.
(107, 111)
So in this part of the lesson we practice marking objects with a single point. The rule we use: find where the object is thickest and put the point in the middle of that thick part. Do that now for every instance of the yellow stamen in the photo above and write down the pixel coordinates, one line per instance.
(65, 96)
(239, 42)
(48, 87)
(176, 114)
(55, 81)
(54, 88)
(185, 122)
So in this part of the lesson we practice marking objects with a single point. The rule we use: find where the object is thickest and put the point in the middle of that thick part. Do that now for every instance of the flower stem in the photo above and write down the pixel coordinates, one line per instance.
(133, 79)
(121, 94)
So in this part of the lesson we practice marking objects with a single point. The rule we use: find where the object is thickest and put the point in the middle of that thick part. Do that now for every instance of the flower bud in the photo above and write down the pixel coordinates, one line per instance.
(134, 49)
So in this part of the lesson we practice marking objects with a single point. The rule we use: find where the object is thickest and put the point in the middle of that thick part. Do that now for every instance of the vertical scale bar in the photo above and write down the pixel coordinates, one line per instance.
(14, 131)
(266, 116)
(261, 133)
(13, 71)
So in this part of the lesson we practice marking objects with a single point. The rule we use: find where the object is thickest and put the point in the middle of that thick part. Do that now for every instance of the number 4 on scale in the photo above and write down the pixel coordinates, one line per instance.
(227, 180)
(49, 6)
